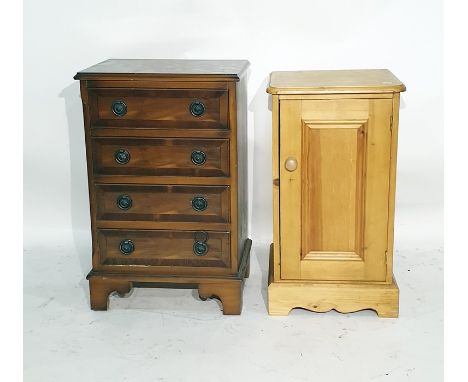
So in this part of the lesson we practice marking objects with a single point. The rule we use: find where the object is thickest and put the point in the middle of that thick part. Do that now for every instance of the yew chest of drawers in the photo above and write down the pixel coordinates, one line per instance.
(166, 146)
(334, 167)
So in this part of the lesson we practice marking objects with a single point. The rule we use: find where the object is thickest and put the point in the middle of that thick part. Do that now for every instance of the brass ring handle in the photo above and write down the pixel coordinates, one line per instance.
(290, 164)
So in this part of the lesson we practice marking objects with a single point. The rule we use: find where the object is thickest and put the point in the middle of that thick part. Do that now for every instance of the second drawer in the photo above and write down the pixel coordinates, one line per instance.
(161, 157)
(163, 203)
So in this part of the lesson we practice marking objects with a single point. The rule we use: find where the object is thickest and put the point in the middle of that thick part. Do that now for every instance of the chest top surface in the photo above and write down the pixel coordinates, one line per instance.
(228, 69)
(335, 81)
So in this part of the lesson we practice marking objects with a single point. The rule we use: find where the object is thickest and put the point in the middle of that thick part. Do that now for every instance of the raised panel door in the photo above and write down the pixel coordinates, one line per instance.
(334, 188)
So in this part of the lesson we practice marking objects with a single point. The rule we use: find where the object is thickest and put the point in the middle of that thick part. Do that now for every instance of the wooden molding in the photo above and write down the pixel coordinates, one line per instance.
(323, 297)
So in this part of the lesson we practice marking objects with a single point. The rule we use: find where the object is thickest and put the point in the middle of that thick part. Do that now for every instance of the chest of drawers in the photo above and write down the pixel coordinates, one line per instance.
(334, 165)
(166, 146)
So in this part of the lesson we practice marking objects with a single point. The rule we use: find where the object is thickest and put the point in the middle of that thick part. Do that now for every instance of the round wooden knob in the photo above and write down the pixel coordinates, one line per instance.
(290, 164)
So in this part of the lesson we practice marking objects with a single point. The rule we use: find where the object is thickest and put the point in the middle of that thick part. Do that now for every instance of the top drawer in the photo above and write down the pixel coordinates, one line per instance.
(159, 108)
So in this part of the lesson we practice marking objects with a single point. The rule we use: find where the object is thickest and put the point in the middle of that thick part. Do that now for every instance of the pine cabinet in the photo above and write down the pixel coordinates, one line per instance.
(334, 165)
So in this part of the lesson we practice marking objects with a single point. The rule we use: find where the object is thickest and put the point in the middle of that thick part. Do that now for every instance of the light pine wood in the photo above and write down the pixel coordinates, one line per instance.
(335, 96)
(331, 210)
(290, 189)
(323, 297)
(335, 81)
(334, 210)
(336, 217)
(392, 188)
(275, 162)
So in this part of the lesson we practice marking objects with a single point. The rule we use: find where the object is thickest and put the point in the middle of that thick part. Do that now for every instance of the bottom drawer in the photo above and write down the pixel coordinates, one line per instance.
(164, 248)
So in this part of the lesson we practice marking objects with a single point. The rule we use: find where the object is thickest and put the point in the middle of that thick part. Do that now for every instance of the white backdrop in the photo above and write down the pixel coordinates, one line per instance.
(62, 37)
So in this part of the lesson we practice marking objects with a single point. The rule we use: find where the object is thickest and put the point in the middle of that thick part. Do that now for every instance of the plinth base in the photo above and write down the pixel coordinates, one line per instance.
(227, 289)
(283, 296)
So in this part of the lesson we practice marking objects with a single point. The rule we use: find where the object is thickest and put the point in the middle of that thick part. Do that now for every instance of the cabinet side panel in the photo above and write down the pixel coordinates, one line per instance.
(89, 160)
(235, 175)
(242, 164)
(275, 109)
(392, 185)
(239, 153)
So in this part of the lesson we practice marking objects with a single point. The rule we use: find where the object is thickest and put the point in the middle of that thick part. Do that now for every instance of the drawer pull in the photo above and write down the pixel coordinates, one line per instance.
(119, 108)
(199, 203)
(197, 109)
(126, 247)
(122, 156)
(198, 157)
(200, 249)
(290, 164)
(124, 202)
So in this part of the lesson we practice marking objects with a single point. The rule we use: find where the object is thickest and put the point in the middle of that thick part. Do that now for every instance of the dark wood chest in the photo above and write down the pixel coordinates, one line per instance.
(166, 146)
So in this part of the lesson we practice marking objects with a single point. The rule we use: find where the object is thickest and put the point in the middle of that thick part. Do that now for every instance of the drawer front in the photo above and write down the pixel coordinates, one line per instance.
(163, 203)
(163, 157)
(164, 248)
(180, 108)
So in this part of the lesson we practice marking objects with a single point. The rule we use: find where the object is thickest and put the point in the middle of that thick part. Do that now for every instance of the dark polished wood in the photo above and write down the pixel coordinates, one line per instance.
(166, 144)
(228, 292)
(162, 203)
(164, 247)
(101, 287)
(161, 156)
(228, 289)
(161, 68)
(159, 108)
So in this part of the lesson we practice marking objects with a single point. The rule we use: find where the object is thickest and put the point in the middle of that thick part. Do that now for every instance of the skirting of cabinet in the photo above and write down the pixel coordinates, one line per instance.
(323, 297)
(227, 289)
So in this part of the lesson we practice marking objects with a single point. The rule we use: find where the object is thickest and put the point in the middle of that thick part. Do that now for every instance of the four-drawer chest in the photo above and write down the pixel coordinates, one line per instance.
(166, 146)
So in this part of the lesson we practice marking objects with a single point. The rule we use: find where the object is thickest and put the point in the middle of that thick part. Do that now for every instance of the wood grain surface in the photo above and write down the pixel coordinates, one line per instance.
(159, 133)
(334, 170)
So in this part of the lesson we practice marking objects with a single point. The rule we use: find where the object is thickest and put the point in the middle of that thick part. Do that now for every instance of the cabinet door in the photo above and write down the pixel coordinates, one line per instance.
(334, 188)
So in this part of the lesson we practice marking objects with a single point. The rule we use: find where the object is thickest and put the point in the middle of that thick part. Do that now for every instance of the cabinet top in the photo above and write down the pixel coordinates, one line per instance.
(335, 81)
(232, 69)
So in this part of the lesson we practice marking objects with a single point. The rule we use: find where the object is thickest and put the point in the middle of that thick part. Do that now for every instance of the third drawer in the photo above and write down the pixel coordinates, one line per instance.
(163, 203)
